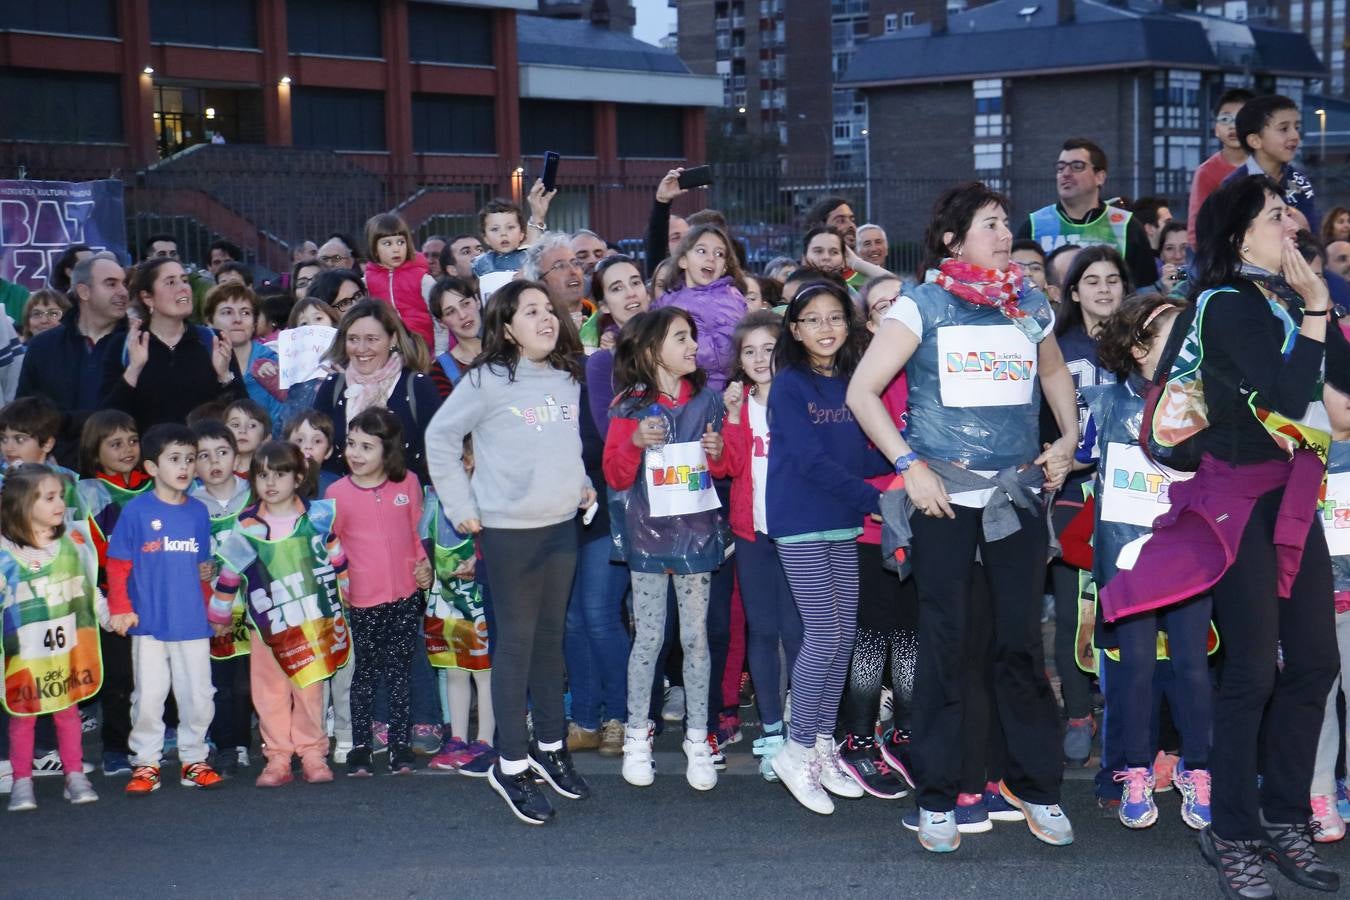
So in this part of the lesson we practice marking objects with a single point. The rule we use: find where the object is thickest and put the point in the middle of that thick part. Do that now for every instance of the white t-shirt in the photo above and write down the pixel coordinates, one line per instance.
(758, 414)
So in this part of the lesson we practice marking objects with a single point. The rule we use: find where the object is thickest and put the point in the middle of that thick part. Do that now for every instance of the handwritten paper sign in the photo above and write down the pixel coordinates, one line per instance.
(299, 351)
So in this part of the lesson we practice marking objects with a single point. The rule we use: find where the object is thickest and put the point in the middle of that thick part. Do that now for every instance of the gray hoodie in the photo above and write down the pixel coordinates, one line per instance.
(526, 448)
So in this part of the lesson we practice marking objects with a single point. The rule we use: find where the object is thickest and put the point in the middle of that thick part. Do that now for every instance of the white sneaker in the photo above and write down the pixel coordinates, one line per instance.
(673, 710)
(50, 764)
(887, 705)
(340, 752)
(798, 768)
(6, 776)
(638, 769)
(242, 757)
(833, 777)
(329, 722)
(21, 799)
(78, 789)
(700, 773)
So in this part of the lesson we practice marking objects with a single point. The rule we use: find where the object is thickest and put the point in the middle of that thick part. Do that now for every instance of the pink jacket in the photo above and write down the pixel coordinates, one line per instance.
(402, 287)
(378, 531)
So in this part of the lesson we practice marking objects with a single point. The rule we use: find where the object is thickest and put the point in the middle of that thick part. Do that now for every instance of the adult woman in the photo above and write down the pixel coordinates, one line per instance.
(1095, 284)
(44, 311)
(377, 364)
(823, 247)
(616, 285)
(303, 274)
(1336, 225)
(232, 309)
(339, 288)
(169, 367)
(1172, 246)
(970, 424)
(1266, 341)
(456, 308)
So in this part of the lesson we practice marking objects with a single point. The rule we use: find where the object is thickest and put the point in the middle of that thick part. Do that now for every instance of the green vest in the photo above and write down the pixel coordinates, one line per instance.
(1051, 229)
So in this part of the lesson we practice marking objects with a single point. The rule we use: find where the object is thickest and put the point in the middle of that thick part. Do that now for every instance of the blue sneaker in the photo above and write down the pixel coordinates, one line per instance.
(116, 764)
(1000, 810)
(1342, 798)
(170, 741)
(1193, 784)
(972, 816)
(1137, 809)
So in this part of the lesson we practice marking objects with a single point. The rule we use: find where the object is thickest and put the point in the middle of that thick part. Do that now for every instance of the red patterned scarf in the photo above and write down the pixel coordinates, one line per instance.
(989, 287)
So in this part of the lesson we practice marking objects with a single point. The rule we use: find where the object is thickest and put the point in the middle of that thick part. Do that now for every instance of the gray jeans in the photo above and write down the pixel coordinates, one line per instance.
(649, 627)
(1328, 745)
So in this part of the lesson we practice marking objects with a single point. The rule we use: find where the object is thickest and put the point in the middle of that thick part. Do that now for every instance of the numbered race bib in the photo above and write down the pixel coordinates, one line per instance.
(1335, 510)
(985, 365)
(678, 480)
(43, 640)
(1134, 488)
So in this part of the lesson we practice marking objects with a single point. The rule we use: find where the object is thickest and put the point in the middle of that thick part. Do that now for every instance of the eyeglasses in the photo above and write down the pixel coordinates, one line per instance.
(563, 264)
(55, 313)
(816, 323)
(881, 304)
(335, 260)
(344, 305)
(1076, 166)
(1225, 119)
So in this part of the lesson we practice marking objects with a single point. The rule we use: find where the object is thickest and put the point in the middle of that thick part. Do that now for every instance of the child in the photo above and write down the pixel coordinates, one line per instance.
(225, 494)
(520, 401)
(456, 307)
(28, 430)
(156, 563)
(705, 282)
(1328, 795)
(616, 285)
(251, 425)
(312, 432)
(50, 596)
(769, 610)
(399, 275)
(285, 558)
(381, 507)
(815, 495)
(110, 466)
(457, 638)
(664, 416)
(1129, 344)
(505, 232)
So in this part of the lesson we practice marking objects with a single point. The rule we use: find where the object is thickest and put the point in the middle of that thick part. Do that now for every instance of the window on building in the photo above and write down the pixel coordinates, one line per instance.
(561, 125)
(1175, 158)
(653, 132)
(1291, 88)
(337, 119)
(444, 123)
(1177, 100)
(334, 27)
(991, 148)
(1338, 71)
(891, 23)
(49, 106)
(1296, 15)
(209, 23)
(93, 18)
(907, 20)
(449, 34)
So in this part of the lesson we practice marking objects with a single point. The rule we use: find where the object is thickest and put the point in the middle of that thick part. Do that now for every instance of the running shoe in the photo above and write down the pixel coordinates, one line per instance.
(1329, 827)
(728, 729)
(1164, 765)
(766, 748)
(1046, 821)
(402, 760)
(78, 789)
(937, 830)
(482, 756)
(1193, 785)
(863, 761)
(21, 796)
(454, 753)
(275, 773)
(314, 769)
(1078, 740)
(340, 751)
(972, 816)
(719, 759)
(1000, 810)
(1137, 809)
(894, 747)
(199, 775)
(116, 764)
(555, 767)
(426, 740)
(379, 737)
(144, 781)
(88, 722)
(1342, 799)
(522, 795)
(6, 776)
(1241, 873)
(358, 763)
(1291, 849)
(227, 762)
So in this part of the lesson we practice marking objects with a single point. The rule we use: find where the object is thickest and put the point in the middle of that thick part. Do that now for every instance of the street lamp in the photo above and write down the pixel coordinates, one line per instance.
(1322, 141)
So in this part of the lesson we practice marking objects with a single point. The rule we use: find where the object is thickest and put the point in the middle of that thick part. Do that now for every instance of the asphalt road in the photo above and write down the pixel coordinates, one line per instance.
(444, 835)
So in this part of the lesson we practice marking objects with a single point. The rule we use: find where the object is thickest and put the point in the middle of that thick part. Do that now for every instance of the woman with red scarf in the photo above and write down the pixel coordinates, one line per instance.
(976, 341)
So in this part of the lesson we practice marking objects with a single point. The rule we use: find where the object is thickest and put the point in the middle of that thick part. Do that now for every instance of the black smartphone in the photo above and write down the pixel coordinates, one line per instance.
(550, 176)
(698, 176)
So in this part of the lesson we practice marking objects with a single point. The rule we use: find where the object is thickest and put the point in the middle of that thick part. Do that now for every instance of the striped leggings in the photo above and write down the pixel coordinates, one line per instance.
(823, 577)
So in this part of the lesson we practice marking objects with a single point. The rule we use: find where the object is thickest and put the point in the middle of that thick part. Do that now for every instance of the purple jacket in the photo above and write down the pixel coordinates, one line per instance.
(1195, 542)
(717, 309)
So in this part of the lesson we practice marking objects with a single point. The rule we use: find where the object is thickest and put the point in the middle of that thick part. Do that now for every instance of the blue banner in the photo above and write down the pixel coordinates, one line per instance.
(39, 219)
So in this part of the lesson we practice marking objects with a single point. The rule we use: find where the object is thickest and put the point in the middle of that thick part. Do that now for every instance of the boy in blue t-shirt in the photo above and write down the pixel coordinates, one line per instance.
(158, 569)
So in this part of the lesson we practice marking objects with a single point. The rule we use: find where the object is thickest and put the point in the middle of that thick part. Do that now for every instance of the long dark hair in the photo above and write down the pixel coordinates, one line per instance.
(1220, 228)
(637, 355)
(954, 211)
(760, 318)
(282, 457)
(503, 355)
(1071, 313)
(789, 353)
(1125, 330)
(379, 422)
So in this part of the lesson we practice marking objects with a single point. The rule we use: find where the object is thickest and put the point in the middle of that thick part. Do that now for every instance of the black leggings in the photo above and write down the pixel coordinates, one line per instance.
(385, 638)
(532, 570)
(888, 622)
(1267, 719)
(232, 726)
(115, 695)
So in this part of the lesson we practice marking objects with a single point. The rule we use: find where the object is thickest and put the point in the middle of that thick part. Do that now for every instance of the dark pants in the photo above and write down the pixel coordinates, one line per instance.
(385, 638)
(1014, 568)
(888, 614)
(232, 726)
(982, 743)
(719, 637)
(597, 643)
(532, 571)
(771, 619)
(1264, 713)
(1074, 683)
(115, 695)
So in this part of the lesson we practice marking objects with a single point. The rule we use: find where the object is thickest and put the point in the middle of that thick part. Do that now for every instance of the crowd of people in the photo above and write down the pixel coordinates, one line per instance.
(543, 498)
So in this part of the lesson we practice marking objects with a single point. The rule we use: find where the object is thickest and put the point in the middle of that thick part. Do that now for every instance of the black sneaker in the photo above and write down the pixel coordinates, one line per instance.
(556, 769)
(1241, 875)
(862, 759)
(358, 763)
(226, 762)
(894, 747)
(402, 761)
(527, 801)
(1290, 847)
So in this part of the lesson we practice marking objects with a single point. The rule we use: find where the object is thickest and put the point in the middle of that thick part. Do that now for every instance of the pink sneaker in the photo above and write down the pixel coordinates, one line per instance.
(316, 771)
(454, 753)
(1164, 765)
(276, 773)
(1328, 826)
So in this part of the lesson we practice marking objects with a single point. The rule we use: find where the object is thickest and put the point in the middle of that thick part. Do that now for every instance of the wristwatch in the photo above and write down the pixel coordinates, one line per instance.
(903, 463)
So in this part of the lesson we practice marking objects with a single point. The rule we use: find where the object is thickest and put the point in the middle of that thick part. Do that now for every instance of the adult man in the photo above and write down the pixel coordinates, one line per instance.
(665, 230)
(1229, 156)
(221, 252)
(431, 249)
(458, 255)
(837, 214)
(550, 259)
(1268, 128)
(1153, 214)
(1080, 216)
(157, 245)
(1057, 265)
(304, 251)
(1031, 257)
(235, 272)
(589, 249)
(337, 253)
(872, 244)
(1338, 258)
(65, 364)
